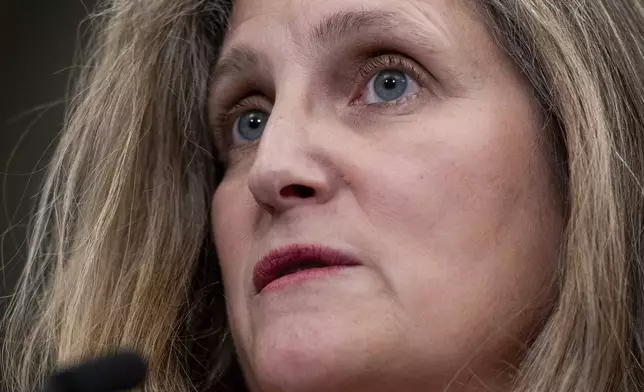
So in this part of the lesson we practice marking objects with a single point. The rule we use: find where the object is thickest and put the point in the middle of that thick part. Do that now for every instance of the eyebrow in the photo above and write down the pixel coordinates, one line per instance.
(331, 29)
(339, 25)
(237, 60)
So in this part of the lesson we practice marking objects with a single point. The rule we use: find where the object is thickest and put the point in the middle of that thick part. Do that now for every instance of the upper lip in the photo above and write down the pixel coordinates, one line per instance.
(284, 260)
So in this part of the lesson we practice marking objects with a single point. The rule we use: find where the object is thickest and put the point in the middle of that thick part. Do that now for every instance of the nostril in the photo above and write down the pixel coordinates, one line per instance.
(300, 191)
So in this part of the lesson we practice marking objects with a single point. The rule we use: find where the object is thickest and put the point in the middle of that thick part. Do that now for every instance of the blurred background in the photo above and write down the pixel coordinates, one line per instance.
(38, 40)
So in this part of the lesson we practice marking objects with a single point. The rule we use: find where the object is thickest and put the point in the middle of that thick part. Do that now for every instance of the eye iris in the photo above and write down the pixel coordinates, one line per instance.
(390, 85)
(251, 125)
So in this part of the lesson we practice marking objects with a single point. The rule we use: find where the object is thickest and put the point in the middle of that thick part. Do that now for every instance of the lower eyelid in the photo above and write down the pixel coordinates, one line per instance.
(397, 103)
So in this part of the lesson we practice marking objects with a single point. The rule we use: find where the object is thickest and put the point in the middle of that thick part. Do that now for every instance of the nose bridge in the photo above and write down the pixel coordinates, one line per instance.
(285, 135)
(292, 164)
(295, 120)
(298, 105)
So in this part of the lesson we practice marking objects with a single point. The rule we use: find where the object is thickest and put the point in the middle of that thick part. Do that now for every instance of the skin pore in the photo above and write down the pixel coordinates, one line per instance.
(398, 132)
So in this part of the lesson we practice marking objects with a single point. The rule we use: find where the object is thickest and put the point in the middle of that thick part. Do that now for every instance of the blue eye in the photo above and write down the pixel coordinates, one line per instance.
(250, 126)
(390, 85)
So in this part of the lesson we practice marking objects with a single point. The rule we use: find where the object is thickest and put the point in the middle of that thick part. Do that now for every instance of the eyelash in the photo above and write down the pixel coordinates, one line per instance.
(221, 120)
(364, 71)
(379, 63)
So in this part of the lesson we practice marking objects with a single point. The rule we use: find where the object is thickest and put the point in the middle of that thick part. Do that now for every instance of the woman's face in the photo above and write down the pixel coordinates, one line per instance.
(395, 134)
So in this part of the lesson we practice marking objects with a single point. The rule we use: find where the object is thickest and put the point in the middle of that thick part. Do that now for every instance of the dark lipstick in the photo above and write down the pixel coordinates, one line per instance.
(298, 260)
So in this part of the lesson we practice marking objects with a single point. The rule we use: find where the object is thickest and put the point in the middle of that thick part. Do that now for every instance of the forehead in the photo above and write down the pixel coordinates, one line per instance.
(294, 19)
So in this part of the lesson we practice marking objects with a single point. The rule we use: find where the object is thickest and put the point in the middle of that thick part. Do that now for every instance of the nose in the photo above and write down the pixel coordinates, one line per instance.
(292, 166)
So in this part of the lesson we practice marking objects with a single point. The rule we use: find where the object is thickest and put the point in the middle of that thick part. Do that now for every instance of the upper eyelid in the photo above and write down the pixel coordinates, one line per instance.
(249, 100)
(362, 70)
(393, 61)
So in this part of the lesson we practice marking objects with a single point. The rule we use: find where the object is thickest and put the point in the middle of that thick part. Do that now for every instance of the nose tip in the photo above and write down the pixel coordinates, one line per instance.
(294, 165)
(292, 186)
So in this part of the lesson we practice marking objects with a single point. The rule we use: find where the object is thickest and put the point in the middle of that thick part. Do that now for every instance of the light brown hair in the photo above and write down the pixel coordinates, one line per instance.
(121, 254)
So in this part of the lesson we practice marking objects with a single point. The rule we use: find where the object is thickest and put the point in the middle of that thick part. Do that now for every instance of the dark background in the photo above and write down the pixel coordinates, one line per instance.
(38, 41)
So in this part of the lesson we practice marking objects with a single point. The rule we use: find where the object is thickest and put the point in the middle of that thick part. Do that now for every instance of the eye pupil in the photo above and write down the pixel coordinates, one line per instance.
(390, 85)
(251, 125)
(254, 122)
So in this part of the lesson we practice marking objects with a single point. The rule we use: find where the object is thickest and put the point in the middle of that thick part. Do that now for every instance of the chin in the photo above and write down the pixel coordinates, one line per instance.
(311, 353)
(340, 351)
(337, 353)
(299, 354)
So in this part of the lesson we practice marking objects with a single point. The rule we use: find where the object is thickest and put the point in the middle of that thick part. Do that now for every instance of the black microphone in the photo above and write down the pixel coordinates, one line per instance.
(116, 372)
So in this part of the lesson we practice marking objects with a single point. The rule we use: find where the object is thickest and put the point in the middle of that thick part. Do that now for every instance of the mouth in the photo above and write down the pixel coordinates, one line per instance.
(298, 260)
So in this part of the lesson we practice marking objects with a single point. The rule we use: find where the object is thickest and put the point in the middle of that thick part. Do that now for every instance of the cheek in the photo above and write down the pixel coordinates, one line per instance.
(231, 233)
(465, 170)
(470, 223)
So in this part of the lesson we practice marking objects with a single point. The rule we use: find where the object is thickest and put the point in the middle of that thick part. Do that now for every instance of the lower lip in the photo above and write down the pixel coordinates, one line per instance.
(302, 276)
